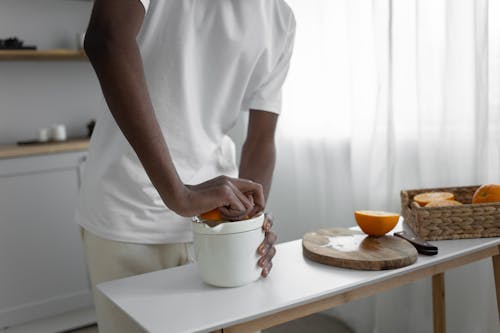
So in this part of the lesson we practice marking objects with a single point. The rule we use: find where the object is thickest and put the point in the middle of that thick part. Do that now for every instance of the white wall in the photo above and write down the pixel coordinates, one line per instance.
(39, 94)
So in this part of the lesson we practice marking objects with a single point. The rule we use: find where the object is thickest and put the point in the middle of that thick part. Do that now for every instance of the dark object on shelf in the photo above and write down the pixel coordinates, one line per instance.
(34, 142)
(29, 142)
(90, 127)
(13, 43)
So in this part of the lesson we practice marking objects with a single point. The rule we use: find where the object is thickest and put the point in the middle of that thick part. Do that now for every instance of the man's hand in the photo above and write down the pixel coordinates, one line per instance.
(235, 198)
(267, 250)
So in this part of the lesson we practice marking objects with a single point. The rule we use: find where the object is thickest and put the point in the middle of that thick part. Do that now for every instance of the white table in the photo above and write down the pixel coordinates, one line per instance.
(176, 300)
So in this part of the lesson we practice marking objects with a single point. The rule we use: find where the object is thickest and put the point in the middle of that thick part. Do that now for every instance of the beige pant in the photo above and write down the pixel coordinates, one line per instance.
(109, 260)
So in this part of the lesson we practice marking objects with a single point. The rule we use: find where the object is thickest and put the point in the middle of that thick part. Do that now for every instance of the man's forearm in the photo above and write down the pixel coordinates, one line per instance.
(118, 65)
(257, 163)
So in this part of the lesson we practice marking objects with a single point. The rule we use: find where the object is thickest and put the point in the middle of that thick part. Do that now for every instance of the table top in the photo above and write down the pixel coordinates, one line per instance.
(177, 299)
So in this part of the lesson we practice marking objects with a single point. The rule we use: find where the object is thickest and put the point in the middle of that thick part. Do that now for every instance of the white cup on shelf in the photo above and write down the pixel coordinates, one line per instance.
(43, 134)
(59, 132)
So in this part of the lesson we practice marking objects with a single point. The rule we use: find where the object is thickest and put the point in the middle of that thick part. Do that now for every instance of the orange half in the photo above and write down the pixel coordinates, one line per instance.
(376, 223)
(424, 198)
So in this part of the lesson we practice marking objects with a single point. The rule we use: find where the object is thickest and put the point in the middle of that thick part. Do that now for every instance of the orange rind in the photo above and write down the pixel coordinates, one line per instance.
(486, 193)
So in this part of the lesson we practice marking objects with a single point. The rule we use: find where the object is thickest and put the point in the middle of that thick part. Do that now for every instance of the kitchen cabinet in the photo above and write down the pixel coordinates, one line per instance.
(43, 270)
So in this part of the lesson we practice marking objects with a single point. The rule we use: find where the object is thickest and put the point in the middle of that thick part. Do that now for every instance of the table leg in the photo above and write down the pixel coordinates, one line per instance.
(438, 303)
(496, 273)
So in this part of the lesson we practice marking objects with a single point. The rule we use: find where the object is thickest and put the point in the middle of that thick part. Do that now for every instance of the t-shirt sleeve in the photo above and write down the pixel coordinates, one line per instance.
(268, 95)
(145, 3)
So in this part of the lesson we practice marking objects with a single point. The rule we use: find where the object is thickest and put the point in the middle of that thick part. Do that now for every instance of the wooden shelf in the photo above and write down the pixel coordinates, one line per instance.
(11, 151)
(42, 55)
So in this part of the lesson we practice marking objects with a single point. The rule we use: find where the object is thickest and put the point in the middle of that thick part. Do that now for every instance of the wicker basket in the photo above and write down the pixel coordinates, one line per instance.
(452, 222)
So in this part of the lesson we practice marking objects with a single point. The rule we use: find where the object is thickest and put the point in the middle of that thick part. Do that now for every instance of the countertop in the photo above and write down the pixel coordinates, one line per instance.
(176, 300)
(13, 151)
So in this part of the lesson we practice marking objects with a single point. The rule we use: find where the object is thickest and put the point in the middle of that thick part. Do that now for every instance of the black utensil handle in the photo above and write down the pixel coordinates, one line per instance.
(422, 246)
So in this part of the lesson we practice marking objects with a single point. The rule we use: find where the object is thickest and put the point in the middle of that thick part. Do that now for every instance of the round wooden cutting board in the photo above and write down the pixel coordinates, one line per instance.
(354, 249)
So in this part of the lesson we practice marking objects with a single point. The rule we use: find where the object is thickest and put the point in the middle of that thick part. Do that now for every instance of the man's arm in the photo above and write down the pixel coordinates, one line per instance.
(258, 157)
(111, 46)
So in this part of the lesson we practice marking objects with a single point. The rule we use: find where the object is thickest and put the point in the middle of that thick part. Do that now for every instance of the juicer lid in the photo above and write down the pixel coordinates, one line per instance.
(229, 227)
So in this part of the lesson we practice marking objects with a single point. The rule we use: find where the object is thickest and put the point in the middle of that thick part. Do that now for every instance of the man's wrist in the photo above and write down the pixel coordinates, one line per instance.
(175, 197)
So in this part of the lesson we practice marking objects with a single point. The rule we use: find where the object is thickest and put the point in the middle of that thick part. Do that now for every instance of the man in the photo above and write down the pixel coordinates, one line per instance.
(175, 75)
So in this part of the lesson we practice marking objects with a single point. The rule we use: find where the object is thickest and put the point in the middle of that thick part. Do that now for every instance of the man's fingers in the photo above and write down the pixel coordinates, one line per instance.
(266, 249)
(263, 248)
(231, 214)
(236, 204)
(271, 253)
(268, 257)
(248, 186)
(268, 223)
(271, 237)
(239, 205)
(269, 241)
(255, 209)
(249, 204)
(267, 269)
(250, 198)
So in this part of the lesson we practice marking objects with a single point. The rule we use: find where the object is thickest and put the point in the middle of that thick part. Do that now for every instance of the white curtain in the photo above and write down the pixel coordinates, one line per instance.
(382, 96)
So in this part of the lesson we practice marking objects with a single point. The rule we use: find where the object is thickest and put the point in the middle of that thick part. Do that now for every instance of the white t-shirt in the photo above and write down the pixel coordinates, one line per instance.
(205, 61)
